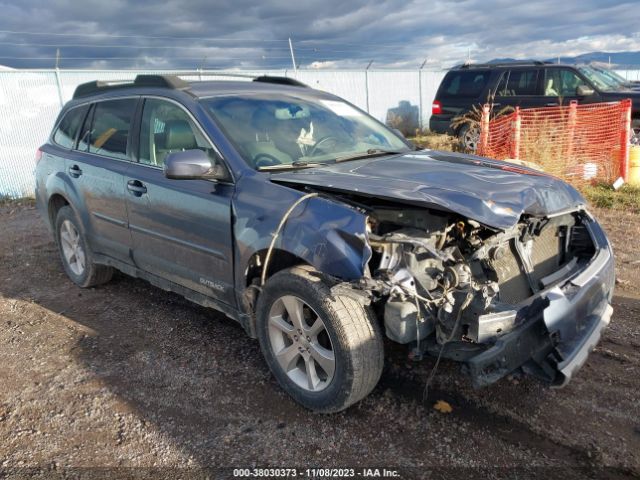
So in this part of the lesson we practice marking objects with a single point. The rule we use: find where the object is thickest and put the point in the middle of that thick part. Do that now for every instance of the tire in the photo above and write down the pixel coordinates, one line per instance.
(468, 137)
(350, 332)
(79, 266)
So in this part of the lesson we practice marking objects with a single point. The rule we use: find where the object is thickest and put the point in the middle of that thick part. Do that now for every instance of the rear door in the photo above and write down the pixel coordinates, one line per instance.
(96, 171)
(181, 229)
(519, 87)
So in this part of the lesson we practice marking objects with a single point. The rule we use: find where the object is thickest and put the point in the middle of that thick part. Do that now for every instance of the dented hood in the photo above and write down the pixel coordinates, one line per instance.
(491, 192)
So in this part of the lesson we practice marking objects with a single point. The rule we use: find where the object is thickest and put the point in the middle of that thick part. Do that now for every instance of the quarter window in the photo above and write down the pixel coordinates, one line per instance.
(167, 128)
(65, 134)
(110, 128)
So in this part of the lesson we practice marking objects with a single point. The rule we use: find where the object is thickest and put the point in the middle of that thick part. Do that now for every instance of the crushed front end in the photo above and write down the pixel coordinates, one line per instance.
(534, 297)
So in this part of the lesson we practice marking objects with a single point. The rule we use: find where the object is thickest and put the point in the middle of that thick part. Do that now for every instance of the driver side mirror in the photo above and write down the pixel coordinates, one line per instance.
(584, 91)
(192, 165)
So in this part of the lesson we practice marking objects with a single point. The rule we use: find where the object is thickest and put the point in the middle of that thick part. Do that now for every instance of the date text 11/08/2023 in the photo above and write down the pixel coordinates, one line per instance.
(315, 472)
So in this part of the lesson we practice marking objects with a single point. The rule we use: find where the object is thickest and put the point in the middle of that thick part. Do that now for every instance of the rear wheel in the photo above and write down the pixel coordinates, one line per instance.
(77, 258)
(324, 348)
(469, 136)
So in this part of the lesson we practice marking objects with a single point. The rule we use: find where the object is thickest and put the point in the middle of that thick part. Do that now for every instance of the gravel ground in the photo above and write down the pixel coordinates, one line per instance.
(127, 375)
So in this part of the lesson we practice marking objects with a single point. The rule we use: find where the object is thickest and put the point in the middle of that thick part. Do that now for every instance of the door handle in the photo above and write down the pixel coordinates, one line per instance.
(136, 188)
(75, 171)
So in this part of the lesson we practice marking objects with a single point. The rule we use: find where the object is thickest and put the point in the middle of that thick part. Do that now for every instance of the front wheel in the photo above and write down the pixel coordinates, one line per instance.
(324, 348)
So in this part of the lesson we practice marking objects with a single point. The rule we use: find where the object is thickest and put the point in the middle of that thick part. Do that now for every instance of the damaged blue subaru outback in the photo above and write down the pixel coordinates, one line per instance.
(321, 231)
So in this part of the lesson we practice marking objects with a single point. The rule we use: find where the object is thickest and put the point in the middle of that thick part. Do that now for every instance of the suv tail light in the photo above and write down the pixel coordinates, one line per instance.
(436, 108)
(38, 155)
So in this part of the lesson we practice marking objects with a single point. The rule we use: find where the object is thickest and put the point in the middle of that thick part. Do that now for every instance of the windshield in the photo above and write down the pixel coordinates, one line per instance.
(602, 81)
(272, 131)
(616, 77)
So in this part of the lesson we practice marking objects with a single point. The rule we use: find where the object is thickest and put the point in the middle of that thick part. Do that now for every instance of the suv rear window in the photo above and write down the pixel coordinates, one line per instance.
(468, 83)
(65, 134)
(110, 128)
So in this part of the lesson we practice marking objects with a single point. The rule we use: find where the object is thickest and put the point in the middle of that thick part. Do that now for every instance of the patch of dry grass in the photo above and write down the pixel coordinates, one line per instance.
(625, 199)
(435, 141)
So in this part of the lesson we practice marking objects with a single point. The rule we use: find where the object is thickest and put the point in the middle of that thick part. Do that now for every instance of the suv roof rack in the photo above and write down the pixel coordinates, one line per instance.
(99, 86)
(280, 81)
(173, 82)
(516, 63)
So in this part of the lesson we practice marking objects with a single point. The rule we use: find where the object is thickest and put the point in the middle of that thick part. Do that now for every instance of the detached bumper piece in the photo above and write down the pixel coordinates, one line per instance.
(555, 332)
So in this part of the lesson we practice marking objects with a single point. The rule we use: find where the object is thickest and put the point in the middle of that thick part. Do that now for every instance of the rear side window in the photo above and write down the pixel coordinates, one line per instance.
(110, 128)
(519, 82)
(465, 83)
(65, 134)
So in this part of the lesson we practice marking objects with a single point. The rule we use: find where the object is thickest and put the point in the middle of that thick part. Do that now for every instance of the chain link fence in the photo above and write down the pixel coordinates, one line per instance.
(31, 99)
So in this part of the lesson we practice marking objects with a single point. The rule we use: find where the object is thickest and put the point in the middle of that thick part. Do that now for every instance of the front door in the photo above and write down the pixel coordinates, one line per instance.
(181, 229)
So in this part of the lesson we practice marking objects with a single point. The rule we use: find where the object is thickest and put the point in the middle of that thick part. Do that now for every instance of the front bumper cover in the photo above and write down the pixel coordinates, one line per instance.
(558, 328)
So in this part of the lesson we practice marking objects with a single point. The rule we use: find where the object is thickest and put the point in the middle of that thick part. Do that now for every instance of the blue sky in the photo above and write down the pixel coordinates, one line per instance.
(325, 33)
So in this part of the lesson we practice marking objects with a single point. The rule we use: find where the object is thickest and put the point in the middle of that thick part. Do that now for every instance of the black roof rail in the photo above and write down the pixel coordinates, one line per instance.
(167, 81)
(517, 63)
(280, 81)
(98, 86)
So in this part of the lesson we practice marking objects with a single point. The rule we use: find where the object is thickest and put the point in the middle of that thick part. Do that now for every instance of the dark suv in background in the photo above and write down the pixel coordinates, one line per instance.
(523, 84)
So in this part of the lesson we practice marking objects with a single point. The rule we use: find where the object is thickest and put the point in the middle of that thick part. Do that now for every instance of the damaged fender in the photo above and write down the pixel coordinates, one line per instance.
(328, 235)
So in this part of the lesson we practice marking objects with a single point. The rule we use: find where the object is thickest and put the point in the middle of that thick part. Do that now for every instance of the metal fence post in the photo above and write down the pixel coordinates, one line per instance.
(420, 93)
(420, 107)
(366, 83)
(59, 86)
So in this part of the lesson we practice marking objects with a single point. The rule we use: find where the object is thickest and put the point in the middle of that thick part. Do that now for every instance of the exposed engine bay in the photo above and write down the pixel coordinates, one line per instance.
(459, 279)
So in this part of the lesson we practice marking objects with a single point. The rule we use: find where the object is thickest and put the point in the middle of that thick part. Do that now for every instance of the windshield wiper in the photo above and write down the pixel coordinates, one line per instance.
(289, 166)
(372, 152)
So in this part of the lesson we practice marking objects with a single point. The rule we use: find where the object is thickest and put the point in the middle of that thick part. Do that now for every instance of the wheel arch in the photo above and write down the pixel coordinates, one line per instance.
(55, 203)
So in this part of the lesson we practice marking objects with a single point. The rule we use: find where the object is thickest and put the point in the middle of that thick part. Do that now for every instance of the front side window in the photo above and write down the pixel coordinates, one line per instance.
(107, 131)
(65, 134)
(562, 82)
(167, 128)
(273, 130)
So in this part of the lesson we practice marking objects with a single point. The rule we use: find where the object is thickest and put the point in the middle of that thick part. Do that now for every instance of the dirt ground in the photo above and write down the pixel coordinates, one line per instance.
(127, 375)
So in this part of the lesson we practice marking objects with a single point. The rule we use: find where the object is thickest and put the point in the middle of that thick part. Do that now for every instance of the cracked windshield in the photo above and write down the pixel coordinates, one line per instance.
(290, 132)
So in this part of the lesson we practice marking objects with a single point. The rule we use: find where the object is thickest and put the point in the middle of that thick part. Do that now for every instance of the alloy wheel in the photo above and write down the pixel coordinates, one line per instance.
(301, 344)
(72, 250)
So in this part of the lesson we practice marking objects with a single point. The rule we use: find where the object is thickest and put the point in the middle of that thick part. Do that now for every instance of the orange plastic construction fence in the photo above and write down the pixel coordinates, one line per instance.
(578, 143)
